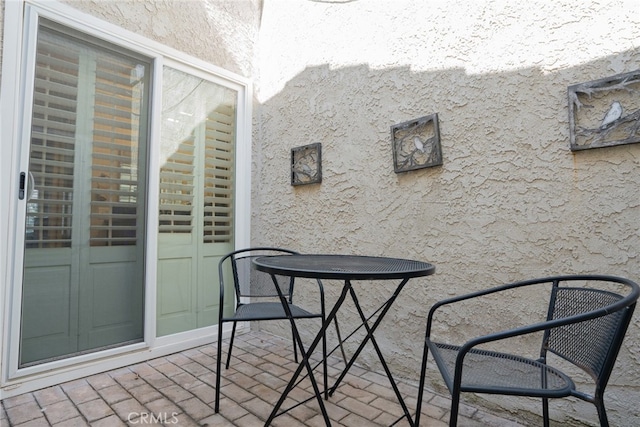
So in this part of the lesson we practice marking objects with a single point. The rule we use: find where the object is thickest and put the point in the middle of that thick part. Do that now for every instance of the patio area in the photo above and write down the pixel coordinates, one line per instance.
(178, 390)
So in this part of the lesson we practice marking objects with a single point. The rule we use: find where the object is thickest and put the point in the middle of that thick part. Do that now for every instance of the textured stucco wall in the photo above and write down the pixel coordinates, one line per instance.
(511, 201)
(221, 32)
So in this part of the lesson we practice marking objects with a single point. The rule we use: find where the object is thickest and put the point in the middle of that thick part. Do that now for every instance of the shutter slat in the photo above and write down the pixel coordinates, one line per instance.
(52, 150)
(42, 102)
(175, 199)
(52, 139)
(59, 129)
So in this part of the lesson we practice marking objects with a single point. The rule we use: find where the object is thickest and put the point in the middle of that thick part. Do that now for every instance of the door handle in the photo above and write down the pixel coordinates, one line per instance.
(21, 187)
(29, 187)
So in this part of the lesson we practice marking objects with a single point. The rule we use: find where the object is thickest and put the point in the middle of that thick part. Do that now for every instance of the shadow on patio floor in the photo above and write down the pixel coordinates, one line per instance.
(178, 390)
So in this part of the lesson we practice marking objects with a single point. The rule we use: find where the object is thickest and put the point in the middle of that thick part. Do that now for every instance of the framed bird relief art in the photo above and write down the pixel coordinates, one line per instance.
(306, 164)
(416, 144)
(605, 112)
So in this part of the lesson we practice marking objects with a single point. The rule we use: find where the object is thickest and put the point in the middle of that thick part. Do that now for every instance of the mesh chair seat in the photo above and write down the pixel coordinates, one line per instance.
(488, 371)
(268, 311)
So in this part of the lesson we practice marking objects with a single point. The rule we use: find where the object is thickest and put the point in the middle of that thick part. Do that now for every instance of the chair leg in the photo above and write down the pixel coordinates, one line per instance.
(295, 347)
(218, 366)
(455, 406)
(602, 412)
(233, 335)
(545, 412)
(423, 371)
(324, 364)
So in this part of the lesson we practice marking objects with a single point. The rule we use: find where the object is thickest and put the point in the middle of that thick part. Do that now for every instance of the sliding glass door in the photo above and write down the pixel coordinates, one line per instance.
(83, 276)
(127, 162)
(196, 204)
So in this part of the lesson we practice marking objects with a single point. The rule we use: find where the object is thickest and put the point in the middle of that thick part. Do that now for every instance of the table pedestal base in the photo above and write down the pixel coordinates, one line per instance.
(306, 353)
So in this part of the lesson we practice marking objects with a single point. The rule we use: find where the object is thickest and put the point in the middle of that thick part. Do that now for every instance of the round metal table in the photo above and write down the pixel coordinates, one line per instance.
(347, 268)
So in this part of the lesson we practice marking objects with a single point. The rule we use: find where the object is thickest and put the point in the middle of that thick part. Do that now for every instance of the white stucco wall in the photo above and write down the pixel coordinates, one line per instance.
(219, 32)
(511, 201)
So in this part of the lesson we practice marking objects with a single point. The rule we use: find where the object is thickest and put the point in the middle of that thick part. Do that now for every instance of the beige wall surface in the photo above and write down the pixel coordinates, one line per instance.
(511, 201)
(219, 32)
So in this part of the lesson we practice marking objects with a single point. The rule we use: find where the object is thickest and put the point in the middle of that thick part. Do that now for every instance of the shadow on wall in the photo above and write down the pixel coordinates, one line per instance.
(511, 201)
(507, 166)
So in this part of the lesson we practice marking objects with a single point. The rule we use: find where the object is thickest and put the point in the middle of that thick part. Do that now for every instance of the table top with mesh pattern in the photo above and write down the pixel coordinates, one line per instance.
(344, 267)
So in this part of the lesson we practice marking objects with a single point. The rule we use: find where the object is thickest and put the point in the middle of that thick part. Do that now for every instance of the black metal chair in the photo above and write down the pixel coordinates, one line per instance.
(586, 320)
(255, 300)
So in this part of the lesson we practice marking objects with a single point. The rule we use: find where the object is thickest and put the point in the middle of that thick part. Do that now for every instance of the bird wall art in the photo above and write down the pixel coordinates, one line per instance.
(605, 112)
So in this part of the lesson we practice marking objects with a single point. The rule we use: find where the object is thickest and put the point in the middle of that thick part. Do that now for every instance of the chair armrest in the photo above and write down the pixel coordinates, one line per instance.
(546, 325)
(531, 328)
(468, 346)
(484, 292)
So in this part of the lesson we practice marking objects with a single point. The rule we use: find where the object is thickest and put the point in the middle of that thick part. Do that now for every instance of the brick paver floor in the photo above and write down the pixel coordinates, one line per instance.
(178, 390)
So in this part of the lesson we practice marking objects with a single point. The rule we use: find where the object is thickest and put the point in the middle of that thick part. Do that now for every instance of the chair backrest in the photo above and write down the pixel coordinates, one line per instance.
(249, 282)
(600, 320)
